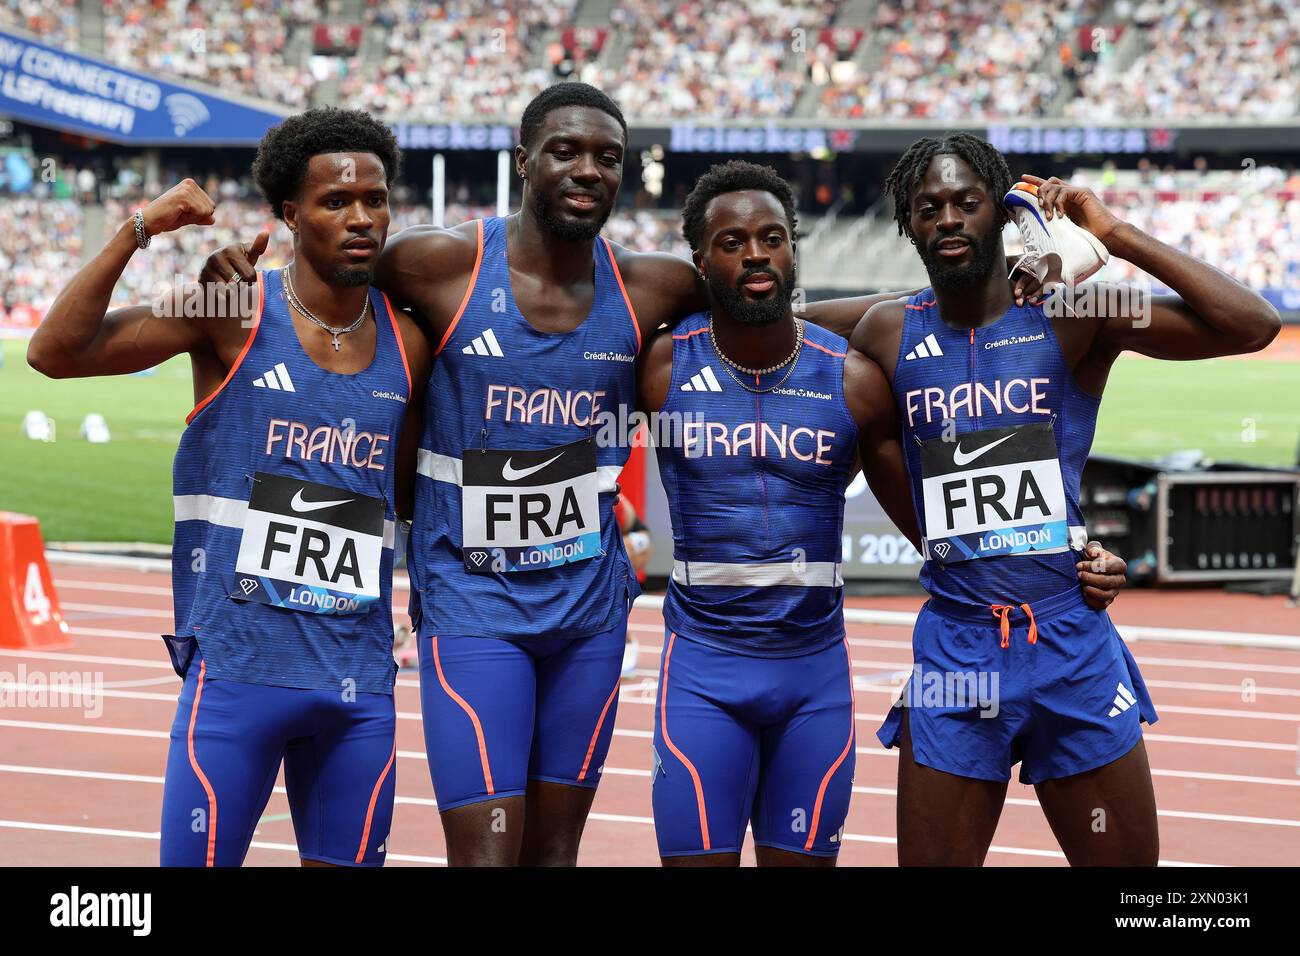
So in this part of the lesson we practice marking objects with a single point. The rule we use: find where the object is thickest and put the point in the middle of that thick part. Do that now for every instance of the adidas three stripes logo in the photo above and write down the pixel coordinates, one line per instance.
(702, 381)
(1124, 699)
(485, 344)
(926, 348)
(276, 378)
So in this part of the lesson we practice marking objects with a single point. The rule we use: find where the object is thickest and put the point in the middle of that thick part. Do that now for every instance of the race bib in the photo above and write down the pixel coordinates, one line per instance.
(528, 510)
(309, 547)
(994, 492)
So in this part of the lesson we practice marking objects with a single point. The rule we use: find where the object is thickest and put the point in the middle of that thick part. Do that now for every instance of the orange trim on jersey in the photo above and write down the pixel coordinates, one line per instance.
(473, 280)
(198, 771)
(257, 324)
(822, 348)
(821, 791)
(397, 333)
(921, 306)
(591, 748)
(626, 298)
(374, 794)
(695, 775)
(689, 334)
(473, 717)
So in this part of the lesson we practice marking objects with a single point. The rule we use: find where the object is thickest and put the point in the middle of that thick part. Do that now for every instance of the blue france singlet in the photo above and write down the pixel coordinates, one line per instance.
(755, 486)
(996, 433)
(283, 487)
(524, 439)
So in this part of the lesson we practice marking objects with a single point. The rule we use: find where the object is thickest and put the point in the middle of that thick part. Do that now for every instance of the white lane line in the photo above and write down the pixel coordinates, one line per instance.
(79, 631)
(441, 861)
(115, 610)
(1178, 814)
(896, 666)
(1217, 742)
(73, 584)
(1237, 689)
(420, 755)
(87, 659)
(1229, 712)
(428, 802)
(82, 729)
(1227, 777)
(157, 836)
(1217, 665)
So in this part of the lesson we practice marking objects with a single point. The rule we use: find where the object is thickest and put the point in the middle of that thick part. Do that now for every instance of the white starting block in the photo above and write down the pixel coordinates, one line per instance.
(38, 426)
(94, 429)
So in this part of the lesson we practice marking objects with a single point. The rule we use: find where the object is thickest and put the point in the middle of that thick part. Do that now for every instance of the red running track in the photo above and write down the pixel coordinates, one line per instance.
(80, 788)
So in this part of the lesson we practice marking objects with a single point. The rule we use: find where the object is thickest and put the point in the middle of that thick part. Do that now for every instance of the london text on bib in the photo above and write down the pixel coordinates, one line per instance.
(309, 547)
(993, 492)
(529, 510)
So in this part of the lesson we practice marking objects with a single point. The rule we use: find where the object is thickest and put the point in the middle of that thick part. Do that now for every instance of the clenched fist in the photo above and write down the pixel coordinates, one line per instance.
(185, 204)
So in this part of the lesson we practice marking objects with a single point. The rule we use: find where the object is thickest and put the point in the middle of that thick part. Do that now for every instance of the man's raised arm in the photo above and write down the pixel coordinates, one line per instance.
(80, 337)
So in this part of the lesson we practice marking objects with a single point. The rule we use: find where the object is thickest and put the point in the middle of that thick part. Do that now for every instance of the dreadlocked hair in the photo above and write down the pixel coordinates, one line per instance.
(988, 164)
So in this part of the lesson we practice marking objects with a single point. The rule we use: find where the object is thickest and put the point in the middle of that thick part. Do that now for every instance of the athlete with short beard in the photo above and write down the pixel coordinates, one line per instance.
(286, 489)
(998, 404)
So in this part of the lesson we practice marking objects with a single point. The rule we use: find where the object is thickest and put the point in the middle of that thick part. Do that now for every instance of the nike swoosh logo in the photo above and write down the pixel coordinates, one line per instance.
(510, 474)
(299, 505)
(958, 458)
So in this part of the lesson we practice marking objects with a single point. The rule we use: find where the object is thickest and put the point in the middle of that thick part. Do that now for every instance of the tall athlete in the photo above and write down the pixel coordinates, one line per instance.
(519, 596)
(755, 718)
(998, 404)
(285, 498)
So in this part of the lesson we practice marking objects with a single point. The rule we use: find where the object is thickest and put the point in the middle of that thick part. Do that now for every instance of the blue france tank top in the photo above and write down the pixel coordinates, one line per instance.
(283, 488)
(996, 433)
(755, 486)
(500, 386)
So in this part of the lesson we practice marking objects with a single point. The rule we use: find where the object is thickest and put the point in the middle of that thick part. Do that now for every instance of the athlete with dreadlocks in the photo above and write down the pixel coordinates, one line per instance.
(998, 402)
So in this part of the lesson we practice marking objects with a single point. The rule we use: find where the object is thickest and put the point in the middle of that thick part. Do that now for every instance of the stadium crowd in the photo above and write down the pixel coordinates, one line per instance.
(36, 262)
(238, 46)
(967, 59)
(459, 59)
(729, 58)
(1199, 57)
(665, 59)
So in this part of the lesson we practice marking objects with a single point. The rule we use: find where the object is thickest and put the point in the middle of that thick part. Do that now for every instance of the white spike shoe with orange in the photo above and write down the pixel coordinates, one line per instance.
(1057, 251)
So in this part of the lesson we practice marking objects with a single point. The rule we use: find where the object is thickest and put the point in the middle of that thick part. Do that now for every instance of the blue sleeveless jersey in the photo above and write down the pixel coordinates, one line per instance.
(997, 487)
(755, 486)
(500, 386)
(292, 465)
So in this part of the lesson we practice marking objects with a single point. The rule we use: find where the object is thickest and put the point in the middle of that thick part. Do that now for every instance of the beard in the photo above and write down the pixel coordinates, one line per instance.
(568, 230)
(959, 275)
(755, 311)
(354, 276)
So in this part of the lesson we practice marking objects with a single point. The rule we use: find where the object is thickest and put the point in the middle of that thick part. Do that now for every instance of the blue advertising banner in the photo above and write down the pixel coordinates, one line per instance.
(48, 87)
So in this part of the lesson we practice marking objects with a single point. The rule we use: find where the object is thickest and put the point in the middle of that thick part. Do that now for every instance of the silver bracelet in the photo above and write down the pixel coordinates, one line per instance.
(142, 238)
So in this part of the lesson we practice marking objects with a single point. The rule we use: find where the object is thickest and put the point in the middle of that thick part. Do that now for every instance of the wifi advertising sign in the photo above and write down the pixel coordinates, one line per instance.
(48, 87)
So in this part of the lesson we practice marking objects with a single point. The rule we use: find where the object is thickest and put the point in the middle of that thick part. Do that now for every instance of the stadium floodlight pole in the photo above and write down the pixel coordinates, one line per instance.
(503, 182)
(439, 189)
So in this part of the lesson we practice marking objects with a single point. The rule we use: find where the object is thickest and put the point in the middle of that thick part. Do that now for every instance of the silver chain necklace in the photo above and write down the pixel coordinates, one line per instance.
(732, 367)
(297, 304)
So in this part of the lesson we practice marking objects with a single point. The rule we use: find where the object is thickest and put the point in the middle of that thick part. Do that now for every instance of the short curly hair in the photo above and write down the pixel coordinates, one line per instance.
(731, 177)
(989, 165)
(282, 156)
(561, 95)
